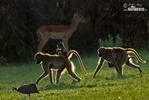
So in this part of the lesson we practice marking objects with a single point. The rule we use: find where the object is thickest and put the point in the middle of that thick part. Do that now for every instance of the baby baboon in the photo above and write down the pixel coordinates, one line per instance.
(117, 57)
(61, 50)
(49, 62)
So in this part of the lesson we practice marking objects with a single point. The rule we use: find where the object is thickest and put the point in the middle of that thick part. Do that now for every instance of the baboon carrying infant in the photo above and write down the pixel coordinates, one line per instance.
(61, 50)
(58, 62)
(117, 57)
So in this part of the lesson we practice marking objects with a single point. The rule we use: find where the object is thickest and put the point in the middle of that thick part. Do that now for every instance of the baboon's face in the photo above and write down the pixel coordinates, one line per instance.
(101, 52)
(38, 58)
(60, 45)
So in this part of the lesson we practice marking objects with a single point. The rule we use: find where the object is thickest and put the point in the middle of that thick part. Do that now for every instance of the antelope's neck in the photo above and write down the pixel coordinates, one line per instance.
(73, 26)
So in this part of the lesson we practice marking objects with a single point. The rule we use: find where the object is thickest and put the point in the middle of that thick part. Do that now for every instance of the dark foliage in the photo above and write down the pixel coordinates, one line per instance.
(19, 20)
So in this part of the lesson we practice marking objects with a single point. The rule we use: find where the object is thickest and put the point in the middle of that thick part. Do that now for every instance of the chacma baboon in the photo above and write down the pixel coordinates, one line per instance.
(49, 62)
(112, 65)
(117, 57)
(61, 50)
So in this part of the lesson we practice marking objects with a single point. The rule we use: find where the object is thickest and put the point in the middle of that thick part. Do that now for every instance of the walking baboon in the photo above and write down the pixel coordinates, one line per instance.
(112, 65)
(49, 62)
(117, 57)
(62, 51)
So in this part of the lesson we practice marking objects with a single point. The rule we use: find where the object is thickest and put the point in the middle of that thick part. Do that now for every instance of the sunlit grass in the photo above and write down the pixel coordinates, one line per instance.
(106, 85)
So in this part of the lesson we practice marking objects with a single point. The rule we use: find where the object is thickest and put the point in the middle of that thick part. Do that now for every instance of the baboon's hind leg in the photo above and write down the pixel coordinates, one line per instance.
(133, 66)
(69, 68)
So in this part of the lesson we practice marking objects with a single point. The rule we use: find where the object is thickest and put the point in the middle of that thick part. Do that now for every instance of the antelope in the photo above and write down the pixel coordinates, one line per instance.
(63, 32)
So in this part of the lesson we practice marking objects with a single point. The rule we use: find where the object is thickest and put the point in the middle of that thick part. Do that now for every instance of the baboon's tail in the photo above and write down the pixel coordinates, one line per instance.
(135, 52)
(69, 54)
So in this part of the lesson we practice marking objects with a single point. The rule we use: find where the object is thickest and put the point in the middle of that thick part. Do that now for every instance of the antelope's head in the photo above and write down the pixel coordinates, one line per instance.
(79, 18)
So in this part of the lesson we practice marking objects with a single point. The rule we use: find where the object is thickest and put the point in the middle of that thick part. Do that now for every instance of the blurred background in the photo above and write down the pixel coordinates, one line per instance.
(107, 24)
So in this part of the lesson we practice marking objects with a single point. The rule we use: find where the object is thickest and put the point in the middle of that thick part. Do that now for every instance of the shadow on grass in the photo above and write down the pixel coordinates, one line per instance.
(62, 86)
(114, 77)
(75, 85)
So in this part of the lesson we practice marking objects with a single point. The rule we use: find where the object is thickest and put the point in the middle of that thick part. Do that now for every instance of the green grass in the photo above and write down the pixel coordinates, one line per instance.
(106, 85)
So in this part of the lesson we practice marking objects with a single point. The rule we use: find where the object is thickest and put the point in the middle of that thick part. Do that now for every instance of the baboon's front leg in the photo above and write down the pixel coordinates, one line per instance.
(100, 63)
(42, 76)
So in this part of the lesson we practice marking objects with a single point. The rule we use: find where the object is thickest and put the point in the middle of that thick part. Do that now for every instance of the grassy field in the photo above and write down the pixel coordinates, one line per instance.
(106, 85)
